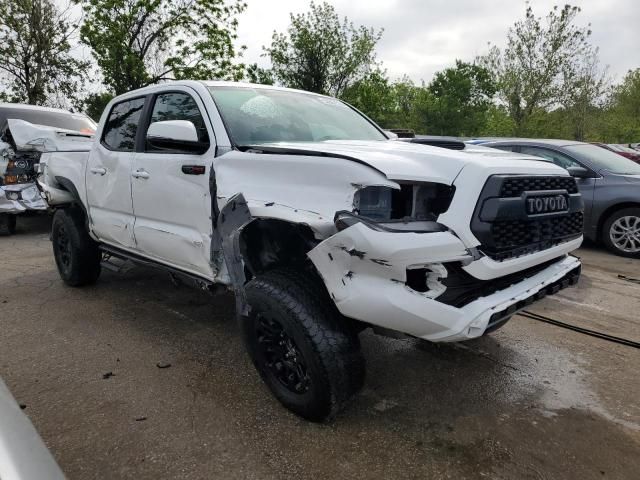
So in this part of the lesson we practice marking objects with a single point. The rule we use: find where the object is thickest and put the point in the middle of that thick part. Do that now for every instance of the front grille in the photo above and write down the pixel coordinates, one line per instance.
(505, 229)
(515, 186)
(515, 233)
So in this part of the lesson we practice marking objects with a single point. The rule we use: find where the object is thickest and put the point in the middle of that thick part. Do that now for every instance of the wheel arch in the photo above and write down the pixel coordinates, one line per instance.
(269, 243)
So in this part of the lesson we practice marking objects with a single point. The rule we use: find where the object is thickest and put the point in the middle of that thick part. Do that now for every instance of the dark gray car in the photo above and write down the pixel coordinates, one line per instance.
(609, 183)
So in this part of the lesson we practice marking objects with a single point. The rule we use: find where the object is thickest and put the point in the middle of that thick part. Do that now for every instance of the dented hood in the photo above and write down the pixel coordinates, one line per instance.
(28, 136)
(405, 161)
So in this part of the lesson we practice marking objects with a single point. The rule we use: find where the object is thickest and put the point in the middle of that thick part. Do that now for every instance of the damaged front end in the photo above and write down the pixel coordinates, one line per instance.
(21, 146)
(18, 190)
(392, 265)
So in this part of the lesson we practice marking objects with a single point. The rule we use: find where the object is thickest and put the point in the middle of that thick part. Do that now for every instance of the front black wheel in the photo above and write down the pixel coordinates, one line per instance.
(621, 232)
(7, 224)
(303, 349)
(76, 253)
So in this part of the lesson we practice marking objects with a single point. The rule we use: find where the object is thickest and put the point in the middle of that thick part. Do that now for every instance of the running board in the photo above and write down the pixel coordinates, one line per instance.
(121, 261)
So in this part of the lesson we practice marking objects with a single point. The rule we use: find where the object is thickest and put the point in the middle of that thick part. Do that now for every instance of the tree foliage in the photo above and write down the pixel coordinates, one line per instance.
(141, 42)
(543, 63)
(35, 53)
(461, 96)
(321, 53)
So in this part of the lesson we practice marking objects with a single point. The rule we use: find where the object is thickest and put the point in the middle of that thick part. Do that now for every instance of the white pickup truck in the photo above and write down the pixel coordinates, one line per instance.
(320, 224)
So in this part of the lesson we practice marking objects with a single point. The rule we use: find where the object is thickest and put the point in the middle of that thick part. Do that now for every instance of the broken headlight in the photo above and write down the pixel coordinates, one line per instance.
(412, 202)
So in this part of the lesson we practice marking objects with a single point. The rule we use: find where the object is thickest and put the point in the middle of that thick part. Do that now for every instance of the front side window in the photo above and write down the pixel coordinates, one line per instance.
(558, 158)
(261, 115)
(179, 106)
(122, 125)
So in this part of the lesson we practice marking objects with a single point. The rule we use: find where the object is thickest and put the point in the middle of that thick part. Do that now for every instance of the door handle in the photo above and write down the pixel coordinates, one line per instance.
(98, 170)
(140, 174)
(194, 169)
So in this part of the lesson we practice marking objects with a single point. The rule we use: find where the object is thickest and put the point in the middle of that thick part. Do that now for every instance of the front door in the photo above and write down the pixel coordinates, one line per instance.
(170, 189)
(108, 176)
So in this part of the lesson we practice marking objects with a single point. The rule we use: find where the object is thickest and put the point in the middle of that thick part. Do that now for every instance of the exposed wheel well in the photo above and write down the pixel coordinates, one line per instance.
(610, 211)
(268, 243)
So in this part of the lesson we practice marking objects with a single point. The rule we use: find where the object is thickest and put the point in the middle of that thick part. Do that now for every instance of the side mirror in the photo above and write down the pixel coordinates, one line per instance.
(579, 172)
(175, 135)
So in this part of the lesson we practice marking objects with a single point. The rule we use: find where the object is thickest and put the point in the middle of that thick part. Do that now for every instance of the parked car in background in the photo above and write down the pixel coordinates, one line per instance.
(18, 160)
(609, 183)
(627, 152)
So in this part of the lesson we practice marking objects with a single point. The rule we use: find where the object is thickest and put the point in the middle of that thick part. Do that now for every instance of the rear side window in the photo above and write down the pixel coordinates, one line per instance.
(179, 106)
(122, 125)
(556, 157)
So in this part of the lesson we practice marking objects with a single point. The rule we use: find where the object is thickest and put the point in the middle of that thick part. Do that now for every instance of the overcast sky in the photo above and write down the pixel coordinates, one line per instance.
(423, 36)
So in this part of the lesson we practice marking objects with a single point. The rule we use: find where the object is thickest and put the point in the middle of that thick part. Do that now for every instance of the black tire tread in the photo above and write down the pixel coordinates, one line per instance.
(333, 341)
(7, 224)
(87, 257)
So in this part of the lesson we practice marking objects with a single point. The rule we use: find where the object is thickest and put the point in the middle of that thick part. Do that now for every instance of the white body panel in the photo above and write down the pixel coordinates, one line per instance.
(108, 190)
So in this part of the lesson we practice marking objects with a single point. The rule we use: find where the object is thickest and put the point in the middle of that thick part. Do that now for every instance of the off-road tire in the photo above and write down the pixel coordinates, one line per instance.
(76, 253)
(606, 231)
(7, 224)
(328, 347)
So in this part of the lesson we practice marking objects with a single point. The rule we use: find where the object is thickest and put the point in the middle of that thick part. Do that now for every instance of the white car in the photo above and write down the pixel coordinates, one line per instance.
(320, 224)
(20, 153)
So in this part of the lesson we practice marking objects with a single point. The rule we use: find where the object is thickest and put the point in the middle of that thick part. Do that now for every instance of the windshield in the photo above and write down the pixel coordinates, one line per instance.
(261, 115)
(67, 121)
(603, 159)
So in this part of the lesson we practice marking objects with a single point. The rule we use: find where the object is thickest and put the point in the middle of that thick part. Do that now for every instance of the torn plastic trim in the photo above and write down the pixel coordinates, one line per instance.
(232, 218)
(344, 219)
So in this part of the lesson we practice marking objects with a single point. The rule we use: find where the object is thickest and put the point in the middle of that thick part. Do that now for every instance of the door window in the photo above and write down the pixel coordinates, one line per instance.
(178, 106)
(558, 158)
(122, 125)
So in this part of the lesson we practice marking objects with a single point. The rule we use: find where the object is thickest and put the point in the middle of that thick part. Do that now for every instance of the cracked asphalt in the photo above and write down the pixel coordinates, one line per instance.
(532, 401)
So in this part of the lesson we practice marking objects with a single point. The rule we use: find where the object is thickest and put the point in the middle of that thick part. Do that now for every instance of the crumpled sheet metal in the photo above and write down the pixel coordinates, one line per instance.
(29, 198)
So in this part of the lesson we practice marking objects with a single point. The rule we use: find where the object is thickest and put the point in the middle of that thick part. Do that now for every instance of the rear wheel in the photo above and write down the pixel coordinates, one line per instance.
(76, 253)
(621, 232)
(303, 349)
(7, 224)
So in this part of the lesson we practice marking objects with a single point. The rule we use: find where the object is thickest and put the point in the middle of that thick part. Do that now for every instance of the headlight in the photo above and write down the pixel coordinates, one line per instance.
(412, 202)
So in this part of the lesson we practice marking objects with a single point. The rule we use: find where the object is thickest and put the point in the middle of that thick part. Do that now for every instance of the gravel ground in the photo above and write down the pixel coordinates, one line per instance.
(530, 401)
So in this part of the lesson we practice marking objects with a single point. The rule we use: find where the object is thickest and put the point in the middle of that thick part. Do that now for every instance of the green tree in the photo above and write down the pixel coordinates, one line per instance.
(540, 66)
(320, 53)
(95, 103)
(461, 98)
(141, 42)
(372, 95)
(620, 121)
(35, 53)
(256, 74)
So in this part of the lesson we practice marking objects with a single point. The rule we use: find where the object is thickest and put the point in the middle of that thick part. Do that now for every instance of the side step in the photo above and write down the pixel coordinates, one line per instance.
(120, 261)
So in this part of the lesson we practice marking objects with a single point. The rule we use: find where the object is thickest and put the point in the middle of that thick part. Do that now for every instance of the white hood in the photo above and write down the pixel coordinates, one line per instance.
(29, 136)
(405, 161)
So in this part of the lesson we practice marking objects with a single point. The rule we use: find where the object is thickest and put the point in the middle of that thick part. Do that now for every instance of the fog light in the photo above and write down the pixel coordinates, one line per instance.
(13, 195)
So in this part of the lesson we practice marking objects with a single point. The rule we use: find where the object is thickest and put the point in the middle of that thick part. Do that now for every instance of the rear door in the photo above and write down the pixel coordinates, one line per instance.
(108, 176)
(170, 189)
